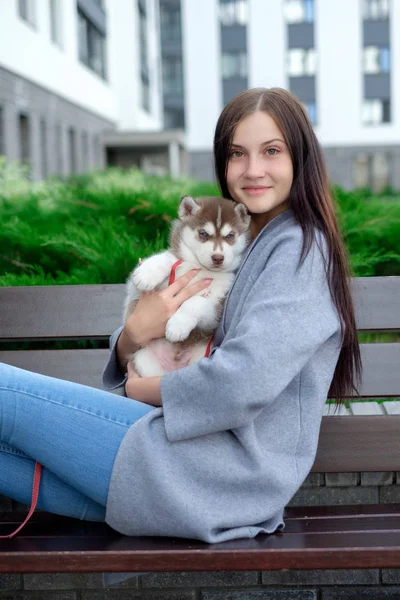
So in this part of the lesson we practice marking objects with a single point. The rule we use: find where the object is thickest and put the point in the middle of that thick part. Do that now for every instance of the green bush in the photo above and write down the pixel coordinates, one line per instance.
(93, 228)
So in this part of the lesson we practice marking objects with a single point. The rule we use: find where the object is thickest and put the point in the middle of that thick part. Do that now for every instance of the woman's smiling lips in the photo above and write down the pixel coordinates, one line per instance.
(256, 190)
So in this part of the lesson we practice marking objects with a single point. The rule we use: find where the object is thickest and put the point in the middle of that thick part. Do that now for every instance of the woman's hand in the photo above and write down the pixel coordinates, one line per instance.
(143, 389)
(148, 320)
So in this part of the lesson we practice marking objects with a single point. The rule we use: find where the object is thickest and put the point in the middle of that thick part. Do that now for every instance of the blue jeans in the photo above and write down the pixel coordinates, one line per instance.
(74, 431)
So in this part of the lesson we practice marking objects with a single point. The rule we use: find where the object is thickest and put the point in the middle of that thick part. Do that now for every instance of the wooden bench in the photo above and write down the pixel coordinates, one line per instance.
(329, 537)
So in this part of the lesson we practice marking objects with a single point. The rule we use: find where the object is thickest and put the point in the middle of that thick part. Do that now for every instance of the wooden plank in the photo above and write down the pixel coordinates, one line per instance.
(266, 552)
(354, 536)
(342, 511)
(51, 522)
(307, 526)
(339, 525)
(381, 362)
(348, 444)
(80, 366)
(377, 302)
(82, 311)
(60, 312)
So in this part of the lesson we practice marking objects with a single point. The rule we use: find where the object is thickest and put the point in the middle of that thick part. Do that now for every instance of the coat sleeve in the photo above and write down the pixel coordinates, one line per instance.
(112, 377)
(287, 316)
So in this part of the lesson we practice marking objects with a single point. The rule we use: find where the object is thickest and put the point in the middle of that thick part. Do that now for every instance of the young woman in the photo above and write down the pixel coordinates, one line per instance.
(216, 450)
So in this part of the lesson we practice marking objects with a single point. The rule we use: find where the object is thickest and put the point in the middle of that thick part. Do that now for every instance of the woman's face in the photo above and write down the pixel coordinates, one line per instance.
(260, 169)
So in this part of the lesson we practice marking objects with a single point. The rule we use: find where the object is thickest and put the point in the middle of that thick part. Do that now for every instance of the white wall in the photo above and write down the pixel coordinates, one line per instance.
(201, 67)
(28, 51)
(124, 53)
(266, 43)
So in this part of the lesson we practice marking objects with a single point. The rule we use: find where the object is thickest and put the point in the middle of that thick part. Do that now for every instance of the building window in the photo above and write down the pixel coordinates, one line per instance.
(233, 64)
(24, 139)
(170, 18)
(376, 111)
(372, 171)
(233, 12)
(301, 61)
(85, 151)
(91, 46)
(2, 144)
(174, 119)
(146, 94)
(376, 60)
(299, 11)
(72, 150)
(172, 75)
(58, 142)
(380, 171)
(43, 149)
(311, 109)
(55, 21)
(96, 150)
(144, 55)
(360, 171)
(27, 11)
(376, 10)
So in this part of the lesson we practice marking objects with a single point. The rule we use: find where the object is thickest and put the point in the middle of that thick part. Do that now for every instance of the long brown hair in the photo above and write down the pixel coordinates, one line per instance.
(312, 204)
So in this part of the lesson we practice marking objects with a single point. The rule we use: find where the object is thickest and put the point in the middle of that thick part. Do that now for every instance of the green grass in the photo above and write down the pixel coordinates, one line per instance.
(93, 228)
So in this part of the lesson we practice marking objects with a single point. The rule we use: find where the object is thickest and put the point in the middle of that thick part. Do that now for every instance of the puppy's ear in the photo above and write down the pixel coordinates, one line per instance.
(187, 207)
(242, 213)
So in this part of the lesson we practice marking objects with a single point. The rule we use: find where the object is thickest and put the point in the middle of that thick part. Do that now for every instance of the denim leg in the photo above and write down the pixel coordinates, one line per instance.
(16, 481)
(73, 430)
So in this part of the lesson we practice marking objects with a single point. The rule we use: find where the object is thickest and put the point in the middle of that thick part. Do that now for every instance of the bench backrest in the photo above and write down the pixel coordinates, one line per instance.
(92, 312)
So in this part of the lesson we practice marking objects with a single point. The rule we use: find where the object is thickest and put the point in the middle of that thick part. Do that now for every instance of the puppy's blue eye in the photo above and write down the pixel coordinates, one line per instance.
(230, 236)
(203, 234)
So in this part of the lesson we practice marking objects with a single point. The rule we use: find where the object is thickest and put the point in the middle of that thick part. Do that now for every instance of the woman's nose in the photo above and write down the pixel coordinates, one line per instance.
(255, 167)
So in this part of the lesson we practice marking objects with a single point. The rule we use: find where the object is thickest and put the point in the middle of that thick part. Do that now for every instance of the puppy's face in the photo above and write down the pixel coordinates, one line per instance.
(213, 232)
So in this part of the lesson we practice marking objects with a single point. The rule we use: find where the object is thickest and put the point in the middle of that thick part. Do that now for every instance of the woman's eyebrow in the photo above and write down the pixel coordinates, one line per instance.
(263, 144)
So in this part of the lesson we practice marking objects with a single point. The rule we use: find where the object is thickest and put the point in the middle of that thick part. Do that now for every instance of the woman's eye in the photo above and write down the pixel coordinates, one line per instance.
(203, 234)
(230, 236)
(272, 151)
(236, 154)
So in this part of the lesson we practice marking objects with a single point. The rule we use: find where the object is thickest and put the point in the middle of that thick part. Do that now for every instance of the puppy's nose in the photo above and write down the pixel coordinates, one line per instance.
(217, 259)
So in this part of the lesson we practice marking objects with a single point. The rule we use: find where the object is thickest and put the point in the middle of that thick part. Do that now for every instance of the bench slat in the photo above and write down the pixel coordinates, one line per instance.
(82, 311)
(307, 526)
(375, 549)
(380, 379)
(376, 302)
(350, 444)
(366, 443)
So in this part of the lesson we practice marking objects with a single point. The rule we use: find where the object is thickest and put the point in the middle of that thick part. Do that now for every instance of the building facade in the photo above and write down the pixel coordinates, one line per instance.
(72, 71)
(85, 83)
(341, 59)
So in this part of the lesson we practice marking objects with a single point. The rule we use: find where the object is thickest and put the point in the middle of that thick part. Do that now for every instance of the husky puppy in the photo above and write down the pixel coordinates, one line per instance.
(210, 234)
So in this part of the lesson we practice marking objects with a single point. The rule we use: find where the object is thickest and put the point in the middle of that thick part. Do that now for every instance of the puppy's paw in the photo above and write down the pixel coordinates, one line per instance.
(179, 326)
(147, 277)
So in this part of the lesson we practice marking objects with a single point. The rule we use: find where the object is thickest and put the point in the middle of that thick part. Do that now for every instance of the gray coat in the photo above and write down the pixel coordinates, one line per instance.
(238, 431)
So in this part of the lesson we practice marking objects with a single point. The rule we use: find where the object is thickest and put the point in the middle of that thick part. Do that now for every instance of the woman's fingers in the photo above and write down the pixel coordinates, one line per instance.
(181, 282)
(192, 290)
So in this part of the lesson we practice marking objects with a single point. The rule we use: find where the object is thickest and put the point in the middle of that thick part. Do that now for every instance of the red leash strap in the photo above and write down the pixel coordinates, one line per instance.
(173, 271)
(35, 494)
(171, 280)
(208, 349)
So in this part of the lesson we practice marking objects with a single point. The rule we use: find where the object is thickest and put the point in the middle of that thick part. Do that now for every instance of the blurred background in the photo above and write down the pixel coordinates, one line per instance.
(89, 83)
(108, 110)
